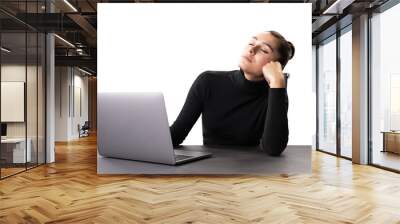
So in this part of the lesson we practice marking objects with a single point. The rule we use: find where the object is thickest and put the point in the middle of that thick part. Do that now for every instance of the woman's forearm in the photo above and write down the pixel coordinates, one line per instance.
(190, 112)
(276, 132)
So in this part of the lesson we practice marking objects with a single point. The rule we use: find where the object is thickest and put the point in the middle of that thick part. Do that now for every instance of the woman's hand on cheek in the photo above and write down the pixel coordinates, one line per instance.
(272, 72)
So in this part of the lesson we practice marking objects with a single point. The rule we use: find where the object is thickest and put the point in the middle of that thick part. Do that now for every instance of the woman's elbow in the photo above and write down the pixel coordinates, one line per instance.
(275, 153)
(274, 149)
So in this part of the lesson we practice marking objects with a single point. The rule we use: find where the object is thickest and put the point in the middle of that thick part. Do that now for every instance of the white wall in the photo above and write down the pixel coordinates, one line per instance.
(67, 80)
(16, 72)
(80, 82)
(61, 103)
(164, 47)
(12, 100)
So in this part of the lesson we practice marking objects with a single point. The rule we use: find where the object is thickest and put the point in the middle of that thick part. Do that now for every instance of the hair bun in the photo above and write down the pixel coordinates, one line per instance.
(291, 46)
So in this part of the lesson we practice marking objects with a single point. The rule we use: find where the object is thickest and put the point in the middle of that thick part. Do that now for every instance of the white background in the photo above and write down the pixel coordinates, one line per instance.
(164, 47)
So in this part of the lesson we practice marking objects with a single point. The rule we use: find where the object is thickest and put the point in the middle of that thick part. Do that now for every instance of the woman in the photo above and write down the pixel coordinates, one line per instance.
(245, 107)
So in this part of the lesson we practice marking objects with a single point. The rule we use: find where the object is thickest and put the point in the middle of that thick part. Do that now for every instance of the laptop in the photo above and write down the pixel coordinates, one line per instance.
(134, 126)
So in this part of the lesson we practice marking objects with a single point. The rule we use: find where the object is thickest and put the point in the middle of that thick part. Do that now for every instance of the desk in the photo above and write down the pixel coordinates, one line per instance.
(13, 150)
(225, 160)
(391, 141)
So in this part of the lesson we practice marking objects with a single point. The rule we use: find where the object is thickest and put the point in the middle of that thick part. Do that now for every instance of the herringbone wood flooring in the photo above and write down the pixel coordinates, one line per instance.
(70, 191)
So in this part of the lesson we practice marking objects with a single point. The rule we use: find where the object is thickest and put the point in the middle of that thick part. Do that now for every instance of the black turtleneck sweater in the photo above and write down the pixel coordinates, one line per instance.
(235, 111)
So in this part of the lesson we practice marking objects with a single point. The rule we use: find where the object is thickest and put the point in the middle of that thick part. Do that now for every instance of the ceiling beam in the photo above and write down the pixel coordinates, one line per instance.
(337, 6)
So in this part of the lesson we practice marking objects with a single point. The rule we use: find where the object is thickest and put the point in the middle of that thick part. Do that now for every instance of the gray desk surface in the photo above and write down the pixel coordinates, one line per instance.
(225, 160)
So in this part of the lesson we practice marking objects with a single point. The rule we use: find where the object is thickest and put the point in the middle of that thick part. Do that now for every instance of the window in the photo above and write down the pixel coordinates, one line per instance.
(385, 89)
(22, 66)
(346, 92)
(327, 95)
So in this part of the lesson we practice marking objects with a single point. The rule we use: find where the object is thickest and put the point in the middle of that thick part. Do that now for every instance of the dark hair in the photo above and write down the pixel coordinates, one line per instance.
(285, 48)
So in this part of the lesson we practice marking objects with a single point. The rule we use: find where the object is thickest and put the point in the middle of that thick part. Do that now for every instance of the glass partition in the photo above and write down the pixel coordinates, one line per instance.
(327, 95)
(346, 92)
(32, 95)
(41, 107)
(14, 153)
(22, 67)
(385, 89)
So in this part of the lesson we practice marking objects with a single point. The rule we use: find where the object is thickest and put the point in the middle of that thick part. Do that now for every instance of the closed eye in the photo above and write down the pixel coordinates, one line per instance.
(264, 51)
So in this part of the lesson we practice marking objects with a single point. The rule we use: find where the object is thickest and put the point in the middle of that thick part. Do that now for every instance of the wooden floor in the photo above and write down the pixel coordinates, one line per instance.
(5, 172)
(70, 191)
(387, 159)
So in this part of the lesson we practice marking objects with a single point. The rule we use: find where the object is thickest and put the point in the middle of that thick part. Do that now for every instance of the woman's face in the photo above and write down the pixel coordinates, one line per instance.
(259, 50)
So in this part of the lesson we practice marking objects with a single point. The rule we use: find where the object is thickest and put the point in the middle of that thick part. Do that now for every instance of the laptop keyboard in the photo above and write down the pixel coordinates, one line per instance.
(181, 157)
